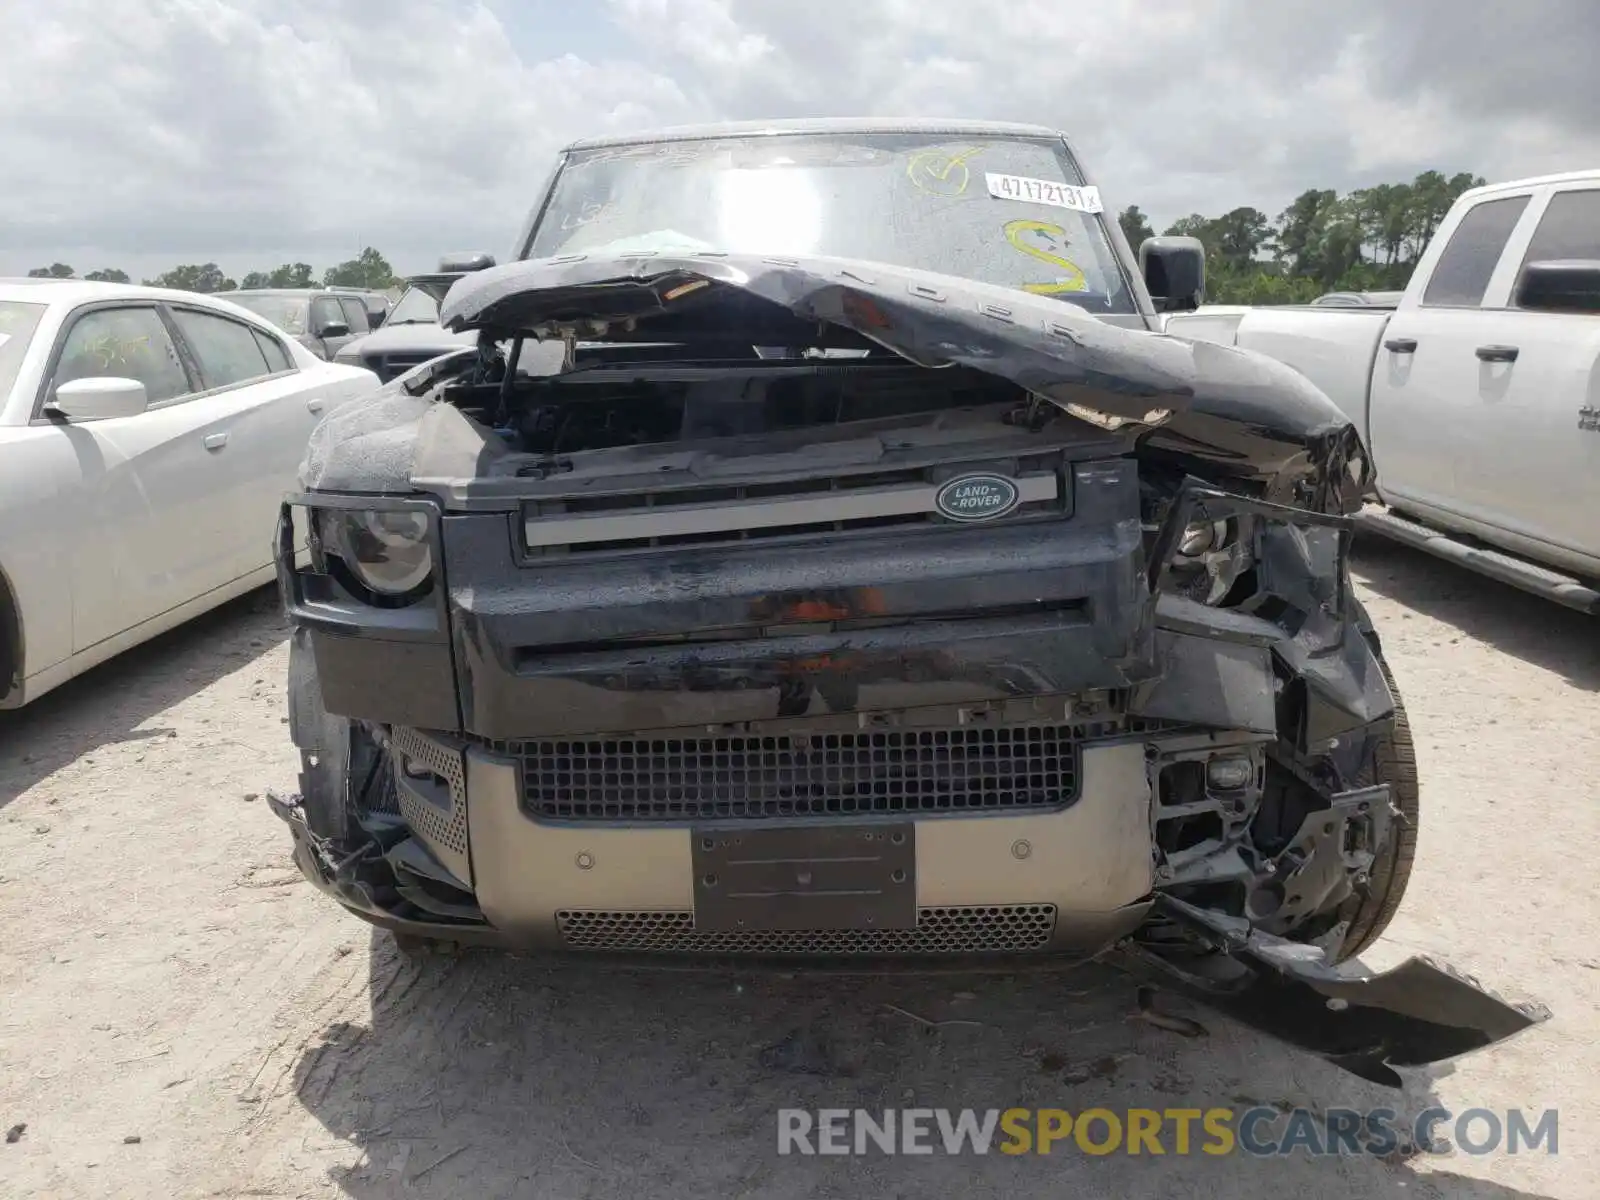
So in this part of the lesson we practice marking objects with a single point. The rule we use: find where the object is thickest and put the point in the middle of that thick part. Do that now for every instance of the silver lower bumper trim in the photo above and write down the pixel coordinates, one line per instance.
(1090, 863)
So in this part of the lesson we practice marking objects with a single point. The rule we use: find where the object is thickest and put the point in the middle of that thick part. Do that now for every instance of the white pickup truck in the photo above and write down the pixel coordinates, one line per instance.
(1478, 393)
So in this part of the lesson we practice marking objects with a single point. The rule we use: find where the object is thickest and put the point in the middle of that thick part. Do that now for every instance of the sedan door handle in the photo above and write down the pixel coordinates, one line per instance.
(314, 405)
(1497, 353)
(1401, 345)
(216, 441)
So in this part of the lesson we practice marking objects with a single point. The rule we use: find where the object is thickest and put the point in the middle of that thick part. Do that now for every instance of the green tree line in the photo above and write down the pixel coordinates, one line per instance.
(1367, 240)
(369, 269)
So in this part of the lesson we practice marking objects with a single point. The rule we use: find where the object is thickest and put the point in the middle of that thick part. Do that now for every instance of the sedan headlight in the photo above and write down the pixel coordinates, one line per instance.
(387, 551)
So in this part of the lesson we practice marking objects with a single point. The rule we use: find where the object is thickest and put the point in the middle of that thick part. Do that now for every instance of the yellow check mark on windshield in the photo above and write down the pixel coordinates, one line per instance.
(947, 170)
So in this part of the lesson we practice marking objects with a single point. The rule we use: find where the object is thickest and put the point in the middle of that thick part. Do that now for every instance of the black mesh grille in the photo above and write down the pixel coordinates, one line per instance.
(891, 771)
(996, 929)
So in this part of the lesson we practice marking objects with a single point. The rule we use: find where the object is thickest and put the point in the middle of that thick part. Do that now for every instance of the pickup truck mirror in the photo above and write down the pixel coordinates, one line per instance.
(474, 260)
(98, 398)
(333, 329)
(1560, 285)
(1174, 270)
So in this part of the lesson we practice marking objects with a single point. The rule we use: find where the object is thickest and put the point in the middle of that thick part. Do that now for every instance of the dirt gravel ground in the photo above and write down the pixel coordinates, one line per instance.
(180, 1015)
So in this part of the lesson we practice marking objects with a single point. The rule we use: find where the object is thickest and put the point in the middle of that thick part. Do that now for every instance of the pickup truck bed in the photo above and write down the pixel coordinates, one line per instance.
(1478, 396)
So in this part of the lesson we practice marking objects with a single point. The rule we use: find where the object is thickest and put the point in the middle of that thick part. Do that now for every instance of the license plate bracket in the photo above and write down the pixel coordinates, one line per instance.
(805, 877)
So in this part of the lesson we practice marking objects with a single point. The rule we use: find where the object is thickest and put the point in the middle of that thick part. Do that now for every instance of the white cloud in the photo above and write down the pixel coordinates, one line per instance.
(257, 132)
(251, 132)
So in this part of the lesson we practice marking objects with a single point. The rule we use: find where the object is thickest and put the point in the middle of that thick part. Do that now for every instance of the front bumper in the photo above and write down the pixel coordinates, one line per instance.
(1069, 881)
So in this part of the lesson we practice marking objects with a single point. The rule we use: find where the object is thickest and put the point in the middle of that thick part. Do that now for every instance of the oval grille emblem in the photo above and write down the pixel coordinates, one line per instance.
(976, 497)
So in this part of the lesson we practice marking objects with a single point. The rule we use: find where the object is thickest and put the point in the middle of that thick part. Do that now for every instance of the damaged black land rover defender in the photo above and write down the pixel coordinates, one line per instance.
(820, 556)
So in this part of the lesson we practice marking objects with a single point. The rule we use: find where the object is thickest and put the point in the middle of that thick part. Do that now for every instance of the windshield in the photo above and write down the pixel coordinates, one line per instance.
(288, 313)
(1007, 211)
(17, 323)
(416, 307)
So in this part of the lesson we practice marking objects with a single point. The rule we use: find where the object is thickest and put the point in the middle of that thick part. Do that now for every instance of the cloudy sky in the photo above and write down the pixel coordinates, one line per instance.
(252, 132)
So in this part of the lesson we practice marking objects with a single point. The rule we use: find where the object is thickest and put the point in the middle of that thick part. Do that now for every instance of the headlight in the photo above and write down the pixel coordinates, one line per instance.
(1201, 536)
(386, 550)
(1209, 560)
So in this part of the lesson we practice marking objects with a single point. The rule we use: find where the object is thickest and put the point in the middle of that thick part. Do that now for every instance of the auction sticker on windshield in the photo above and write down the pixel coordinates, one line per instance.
(1042, 191)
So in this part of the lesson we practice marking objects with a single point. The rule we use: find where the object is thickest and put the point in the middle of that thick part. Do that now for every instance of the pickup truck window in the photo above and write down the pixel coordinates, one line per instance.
(1570, 228)
(911, 200)
(1462, 273)
(288, 313)
(416, 307)
(355, 314)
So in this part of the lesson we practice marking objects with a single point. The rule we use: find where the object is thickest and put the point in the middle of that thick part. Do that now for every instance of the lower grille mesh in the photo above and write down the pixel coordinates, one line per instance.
(435, 809)
(998, 929)
(964, 769)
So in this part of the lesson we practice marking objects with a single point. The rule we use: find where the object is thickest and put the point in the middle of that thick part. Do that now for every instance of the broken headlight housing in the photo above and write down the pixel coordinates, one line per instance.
(1209, 558)
(385, 552)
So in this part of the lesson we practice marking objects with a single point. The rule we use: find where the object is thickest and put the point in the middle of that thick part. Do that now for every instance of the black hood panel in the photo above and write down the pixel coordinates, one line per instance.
(1054, 349)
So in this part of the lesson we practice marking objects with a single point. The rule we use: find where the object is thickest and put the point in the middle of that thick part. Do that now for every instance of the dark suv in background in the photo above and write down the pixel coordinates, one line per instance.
(412, 335)
(323, 320)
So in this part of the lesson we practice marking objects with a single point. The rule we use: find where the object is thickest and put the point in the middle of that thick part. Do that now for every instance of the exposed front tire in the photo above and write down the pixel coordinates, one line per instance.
(1394, 763)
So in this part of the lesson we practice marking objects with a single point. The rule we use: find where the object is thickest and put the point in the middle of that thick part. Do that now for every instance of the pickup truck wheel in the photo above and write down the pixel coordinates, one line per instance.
(1395, 763)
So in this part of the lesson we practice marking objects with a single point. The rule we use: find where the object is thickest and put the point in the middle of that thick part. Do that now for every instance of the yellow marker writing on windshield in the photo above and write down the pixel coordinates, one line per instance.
(1047, 242)
(941, 174)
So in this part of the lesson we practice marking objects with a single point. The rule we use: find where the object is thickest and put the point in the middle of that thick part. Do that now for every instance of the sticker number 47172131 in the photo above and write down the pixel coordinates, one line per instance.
(1042, 191)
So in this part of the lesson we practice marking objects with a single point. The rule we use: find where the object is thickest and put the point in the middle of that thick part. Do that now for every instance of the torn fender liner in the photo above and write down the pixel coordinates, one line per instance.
(1052, 348)
(1421, 1012)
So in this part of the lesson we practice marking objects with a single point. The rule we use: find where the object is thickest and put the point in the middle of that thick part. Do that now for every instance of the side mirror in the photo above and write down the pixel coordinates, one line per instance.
(1564, 285)
(1174, 270)
(99, 399)
(333, 329)
(472, 260)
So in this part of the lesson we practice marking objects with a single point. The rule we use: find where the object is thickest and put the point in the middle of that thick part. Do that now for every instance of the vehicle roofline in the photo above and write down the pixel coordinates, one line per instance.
(1591, 175)
(730, 129)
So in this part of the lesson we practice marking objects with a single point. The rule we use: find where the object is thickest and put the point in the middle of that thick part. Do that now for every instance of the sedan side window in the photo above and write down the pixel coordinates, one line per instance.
(227, 349)
(130, 343)
(1461, 276)
(277, 357)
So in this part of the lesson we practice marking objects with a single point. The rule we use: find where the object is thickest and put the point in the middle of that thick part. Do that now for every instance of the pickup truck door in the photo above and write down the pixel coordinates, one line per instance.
(1426, 403)
(146, 485)
(1537, 467)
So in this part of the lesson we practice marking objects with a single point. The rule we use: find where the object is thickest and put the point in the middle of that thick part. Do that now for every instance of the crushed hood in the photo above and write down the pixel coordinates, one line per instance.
(1054, 349)
(1215, 410)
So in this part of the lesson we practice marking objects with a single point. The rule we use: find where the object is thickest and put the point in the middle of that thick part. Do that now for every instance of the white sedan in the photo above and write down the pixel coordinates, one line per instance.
(147, 438)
